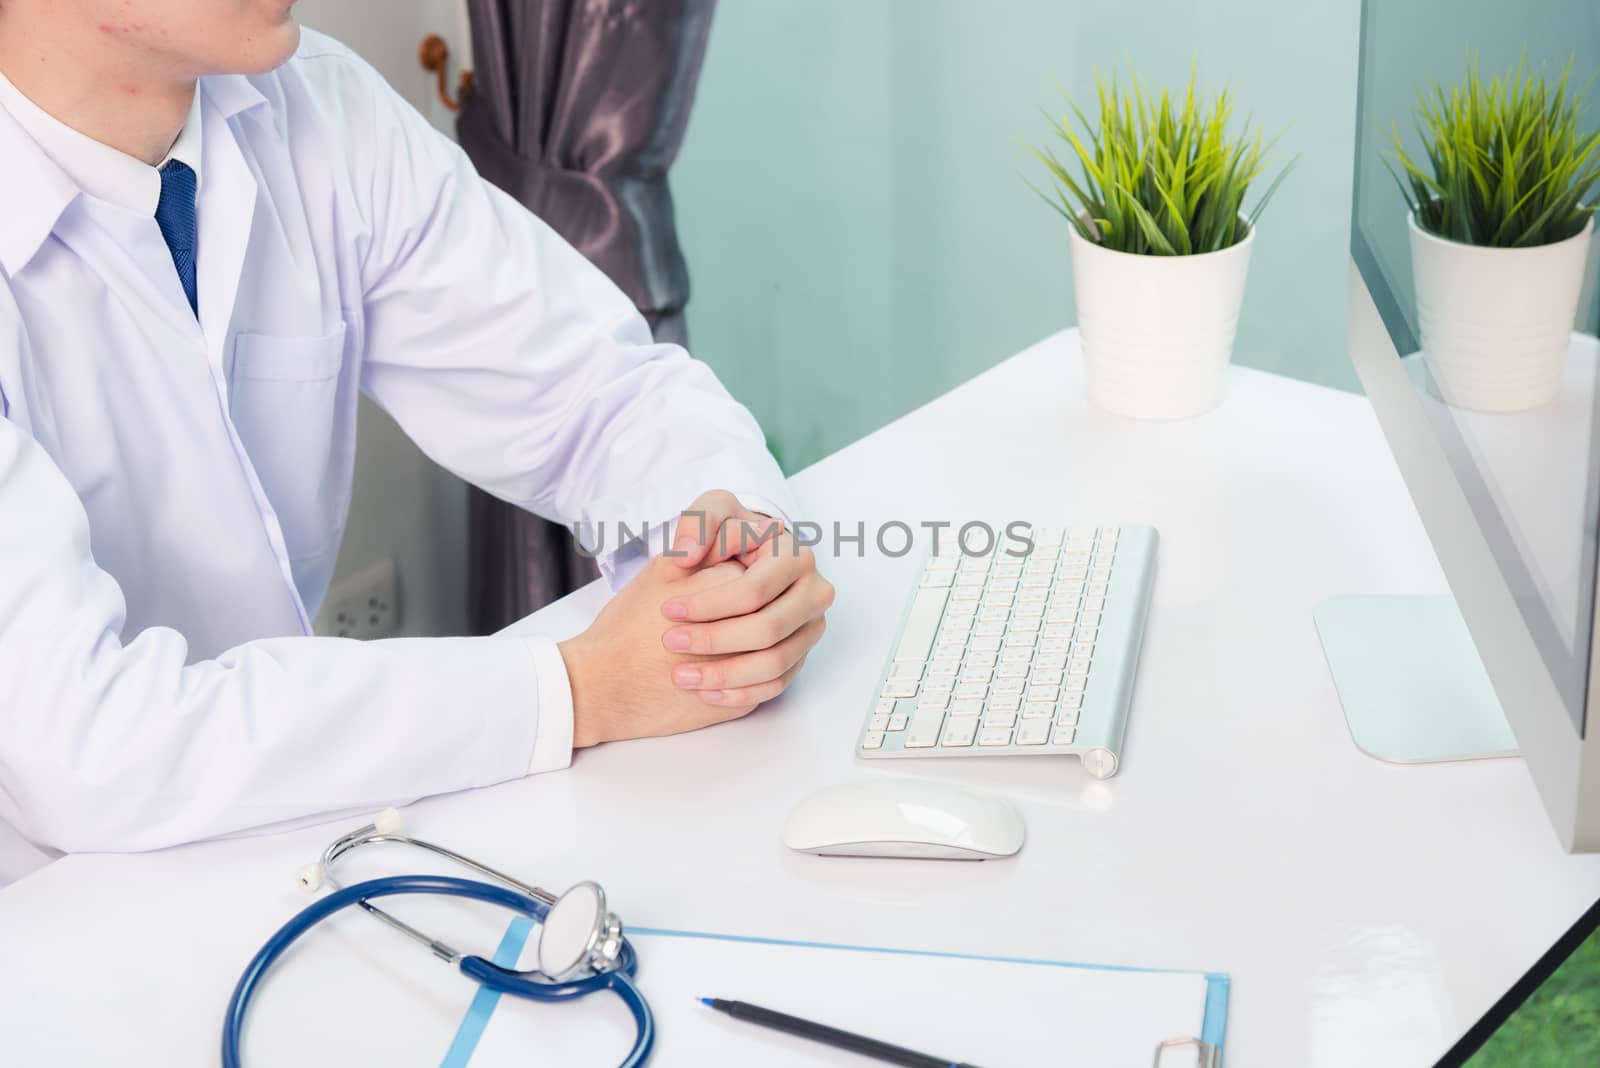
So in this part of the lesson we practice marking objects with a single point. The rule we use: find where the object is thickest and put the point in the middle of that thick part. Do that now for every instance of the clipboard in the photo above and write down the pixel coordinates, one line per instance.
(482, 1041)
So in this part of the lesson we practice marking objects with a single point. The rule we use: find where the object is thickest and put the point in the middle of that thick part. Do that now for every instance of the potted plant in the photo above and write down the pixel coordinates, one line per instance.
(1500, 233)
(1160, 243)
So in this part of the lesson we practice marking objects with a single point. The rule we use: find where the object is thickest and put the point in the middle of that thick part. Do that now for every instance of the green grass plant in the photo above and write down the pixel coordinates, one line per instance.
(1157, 175)
(1507, 162)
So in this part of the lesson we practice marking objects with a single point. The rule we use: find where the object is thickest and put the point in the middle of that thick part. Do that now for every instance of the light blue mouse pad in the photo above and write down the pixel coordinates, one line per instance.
(1413, 687)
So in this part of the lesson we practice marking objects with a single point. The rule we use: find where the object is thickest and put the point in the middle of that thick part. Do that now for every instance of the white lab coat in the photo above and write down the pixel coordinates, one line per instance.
(173, 493)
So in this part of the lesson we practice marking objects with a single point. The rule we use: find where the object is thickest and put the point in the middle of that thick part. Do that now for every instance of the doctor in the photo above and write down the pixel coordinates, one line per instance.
(214, 234)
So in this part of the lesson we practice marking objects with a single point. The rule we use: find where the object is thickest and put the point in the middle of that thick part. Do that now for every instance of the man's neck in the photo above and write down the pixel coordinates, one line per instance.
(96, 91)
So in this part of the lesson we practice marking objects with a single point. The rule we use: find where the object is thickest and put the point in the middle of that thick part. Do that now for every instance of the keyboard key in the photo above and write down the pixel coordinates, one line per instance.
(1054, 645)
(898, 721)
(1072, 700)
(966, 595)
(937, 688)
(987, 630)
(1063, 735)
(1067, 717)
(975, 675)
(885, 706)
(923, 731)
(1007, 686)
(879, 722)
(899, 688)
(1075, 683)
(906, 669)
(1003, 702)
(999, 719)
(959, 732)
(968, 706)
(1016, 655)
(1044, 710)
(1033, 732)
(938, 579)
(1012, 671)
(981, 659)
(995, 736)
(922, 623)
(932, 700)
(1043, 693)
(971, 689)
(1051, 661)
(974, 579)
(873, 740)
(986, 643)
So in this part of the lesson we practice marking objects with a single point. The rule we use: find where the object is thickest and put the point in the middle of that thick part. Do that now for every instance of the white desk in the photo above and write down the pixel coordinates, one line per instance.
(1367, 913)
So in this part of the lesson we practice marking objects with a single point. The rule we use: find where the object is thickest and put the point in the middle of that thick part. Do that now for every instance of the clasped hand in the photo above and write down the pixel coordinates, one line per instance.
(704, 633)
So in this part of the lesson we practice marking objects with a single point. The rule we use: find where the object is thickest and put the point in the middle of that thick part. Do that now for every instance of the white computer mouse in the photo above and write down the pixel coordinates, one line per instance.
(904, 818)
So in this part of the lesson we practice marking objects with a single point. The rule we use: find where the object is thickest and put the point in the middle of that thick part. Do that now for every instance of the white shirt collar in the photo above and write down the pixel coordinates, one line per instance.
(100, 170)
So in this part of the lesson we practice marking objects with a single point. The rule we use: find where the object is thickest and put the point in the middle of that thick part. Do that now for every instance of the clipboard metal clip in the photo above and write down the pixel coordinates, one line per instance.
(1207, 1054)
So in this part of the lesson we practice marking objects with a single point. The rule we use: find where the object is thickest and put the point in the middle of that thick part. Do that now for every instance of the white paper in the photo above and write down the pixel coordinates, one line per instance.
(986, 1013)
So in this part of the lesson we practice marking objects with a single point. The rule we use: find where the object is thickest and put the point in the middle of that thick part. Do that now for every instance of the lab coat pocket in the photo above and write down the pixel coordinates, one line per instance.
(284, 399)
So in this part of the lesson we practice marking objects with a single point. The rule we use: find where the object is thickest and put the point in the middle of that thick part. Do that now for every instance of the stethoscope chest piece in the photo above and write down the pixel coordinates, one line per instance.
(578, 935)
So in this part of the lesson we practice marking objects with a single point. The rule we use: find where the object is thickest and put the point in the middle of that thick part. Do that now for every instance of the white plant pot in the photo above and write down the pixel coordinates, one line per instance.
(1157, 331)
(1496, 322)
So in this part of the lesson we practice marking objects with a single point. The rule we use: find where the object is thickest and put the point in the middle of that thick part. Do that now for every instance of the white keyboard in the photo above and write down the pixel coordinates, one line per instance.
(1019, 655)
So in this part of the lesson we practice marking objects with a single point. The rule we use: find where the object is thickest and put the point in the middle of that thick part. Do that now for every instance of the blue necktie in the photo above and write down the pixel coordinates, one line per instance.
(175, 214)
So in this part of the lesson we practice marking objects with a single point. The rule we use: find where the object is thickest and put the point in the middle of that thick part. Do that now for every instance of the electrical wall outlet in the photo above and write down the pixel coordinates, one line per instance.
(364, 605)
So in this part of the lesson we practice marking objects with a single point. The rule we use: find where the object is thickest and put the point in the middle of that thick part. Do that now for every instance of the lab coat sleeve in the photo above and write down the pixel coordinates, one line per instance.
(113, 745)
(517, 364)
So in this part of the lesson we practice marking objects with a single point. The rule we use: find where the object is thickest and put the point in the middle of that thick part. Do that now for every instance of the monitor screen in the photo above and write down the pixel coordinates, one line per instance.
(1549, 1017)
(1493, 310)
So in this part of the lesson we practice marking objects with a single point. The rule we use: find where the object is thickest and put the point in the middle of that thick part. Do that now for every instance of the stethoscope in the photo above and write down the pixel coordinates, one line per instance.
(581, 948)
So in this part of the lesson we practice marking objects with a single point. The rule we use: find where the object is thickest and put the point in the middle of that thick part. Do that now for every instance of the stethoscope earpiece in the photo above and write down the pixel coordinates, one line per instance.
(309, 878)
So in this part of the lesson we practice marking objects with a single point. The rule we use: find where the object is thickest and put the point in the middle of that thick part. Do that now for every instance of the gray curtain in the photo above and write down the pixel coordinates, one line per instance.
(577, 109)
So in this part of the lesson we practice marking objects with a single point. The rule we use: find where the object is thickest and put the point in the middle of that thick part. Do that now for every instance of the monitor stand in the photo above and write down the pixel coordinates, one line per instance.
(1413, 688)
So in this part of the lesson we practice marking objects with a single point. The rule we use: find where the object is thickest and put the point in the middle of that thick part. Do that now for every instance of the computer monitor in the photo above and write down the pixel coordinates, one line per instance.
(1495, 429)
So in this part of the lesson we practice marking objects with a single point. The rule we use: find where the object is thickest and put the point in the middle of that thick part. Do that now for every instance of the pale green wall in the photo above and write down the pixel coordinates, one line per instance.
(850, 192)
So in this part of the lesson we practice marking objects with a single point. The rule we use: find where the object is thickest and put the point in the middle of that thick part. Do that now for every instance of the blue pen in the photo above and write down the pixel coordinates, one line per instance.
(830, 1036)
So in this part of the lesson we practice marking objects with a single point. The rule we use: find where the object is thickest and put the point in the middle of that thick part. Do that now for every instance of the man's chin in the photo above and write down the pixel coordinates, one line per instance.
(275, 48)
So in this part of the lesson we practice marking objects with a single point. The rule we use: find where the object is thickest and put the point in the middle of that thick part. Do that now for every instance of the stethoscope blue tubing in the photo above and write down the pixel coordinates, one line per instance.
(483, 972)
